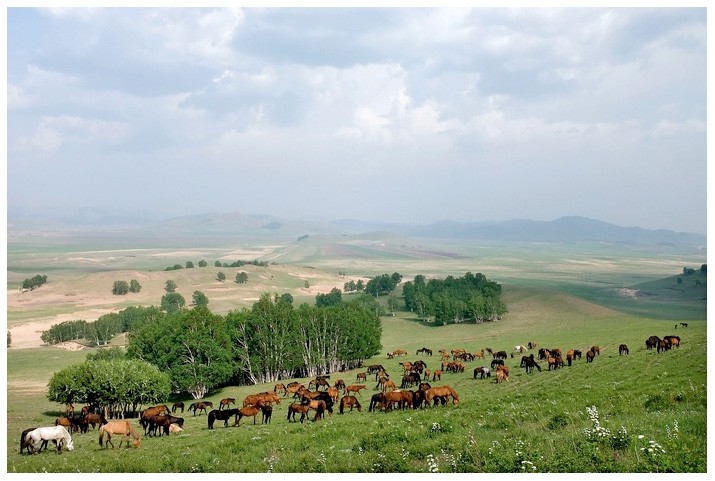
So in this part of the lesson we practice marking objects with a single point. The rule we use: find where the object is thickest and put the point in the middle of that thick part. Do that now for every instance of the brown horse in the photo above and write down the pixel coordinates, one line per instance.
(437, 375)
(248, 412)
(69, 411)
(334, 393)
(501, 376)
(67, 423)
(279, 387)
(176, 406)
(226, 402)
(361, 376)
(124, 428)
(349, 401)
(589, 356)
(94, 420)
(293, 389)
(442, 391)
(202, 406)
(596, 350)
(355, 388)
(295, 408)
(622, 349)
(388, 384)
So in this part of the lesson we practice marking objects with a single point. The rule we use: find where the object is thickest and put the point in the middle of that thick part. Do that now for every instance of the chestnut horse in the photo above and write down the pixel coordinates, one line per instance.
(226, 402)
(125, 428)
(441, 391)
(356, 388)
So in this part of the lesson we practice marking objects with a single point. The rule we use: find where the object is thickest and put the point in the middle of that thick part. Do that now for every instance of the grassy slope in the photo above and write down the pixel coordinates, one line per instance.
(537, 418)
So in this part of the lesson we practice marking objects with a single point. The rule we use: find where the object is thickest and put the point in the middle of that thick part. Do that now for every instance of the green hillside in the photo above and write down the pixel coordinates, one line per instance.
(535, 422)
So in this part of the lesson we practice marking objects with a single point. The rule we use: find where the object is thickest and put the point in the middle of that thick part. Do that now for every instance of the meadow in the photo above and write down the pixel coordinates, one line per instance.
(645, 412)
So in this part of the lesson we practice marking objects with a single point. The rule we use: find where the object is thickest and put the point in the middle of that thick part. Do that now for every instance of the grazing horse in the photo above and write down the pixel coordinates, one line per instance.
(437, 375)
(339, 384)
(377, 401)
(442, 391)
(530, 364)
(226, 402)
(176, 406)
(356, 388)
(381, 382)
(673, 340)
(279, 387)
(53, 433)
(222, 416)
(663, 345)
(497, 362)
(520, 349)
(267, 411)
(201, 406)
(125, 428)
(479, 354)
(388, 384)
(23, 436)
(596, 350)
(684, 324)
(69, 411)
(622, 349)
(361, 376)
(393, 397)
(293, 389)
(349, 401)
(333, 393)
(589, 356)
(164, 422)
(428, 373)
(501, 376)
(531, 345)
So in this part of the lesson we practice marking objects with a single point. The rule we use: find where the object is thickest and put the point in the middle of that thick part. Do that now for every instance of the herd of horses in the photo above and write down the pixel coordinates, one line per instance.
(159, 420)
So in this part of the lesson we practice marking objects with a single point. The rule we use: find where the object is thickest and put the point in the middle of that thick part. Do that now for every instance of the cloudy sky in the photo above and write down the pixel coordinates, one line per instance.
(412, 115)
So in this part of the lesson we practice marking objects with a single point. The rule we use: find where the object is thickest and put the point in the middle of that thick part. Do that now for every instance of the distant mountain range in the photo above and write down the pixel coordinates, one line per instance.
(563, 230)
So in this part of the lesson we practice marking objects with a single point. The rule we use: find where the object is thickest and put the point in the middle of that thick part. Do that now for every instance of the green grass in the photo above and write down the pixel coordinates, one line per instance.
(533, 420)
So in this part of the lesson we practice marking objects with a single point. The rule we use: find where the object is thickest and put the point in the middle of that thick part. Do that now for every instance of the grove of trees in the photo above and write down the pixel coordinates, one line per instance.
(118, 386)
(34, 282)
(383, 284)
(472, 297)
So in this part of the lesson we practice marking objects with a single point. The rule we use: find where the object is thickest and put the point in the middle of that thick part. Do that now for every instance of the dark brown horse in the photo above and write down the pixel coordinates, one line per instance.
(296, 408)
(226, 402)
(176, 406)
(224, 415)
(377, 401)
(95, 419)
(622, 349)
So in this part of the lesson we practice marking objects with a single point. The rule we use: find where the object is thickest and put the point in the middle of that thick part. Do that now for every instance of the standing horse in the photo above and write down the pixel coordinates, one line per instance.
(222, 416)
(441, 391)
(622, 349)
(125, 428)
(226, 402)
(201, 406)
(53, 433)
(349, 401)
(176, 406)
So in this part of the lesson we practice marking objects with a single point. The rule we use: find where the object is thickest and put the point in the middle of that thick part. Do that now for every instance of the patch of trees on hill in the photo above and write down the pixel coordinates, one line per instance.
(34, 282)
(270, 341)
(472, 297)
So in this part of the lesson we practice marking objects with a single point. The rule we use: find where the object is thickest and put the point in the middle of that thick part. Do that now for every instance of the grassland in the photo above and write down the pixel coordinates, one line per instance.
(532, 423)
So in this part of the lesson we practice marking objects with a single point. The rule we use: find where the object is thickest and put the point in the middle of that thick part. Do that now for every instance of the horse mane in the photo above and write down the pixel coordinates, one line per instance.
(132, 431)
(454, 394)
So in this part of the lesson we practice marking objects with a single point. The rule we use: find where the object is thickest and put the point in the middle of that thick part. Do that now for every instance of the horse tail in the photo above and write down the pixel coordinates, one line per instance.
(132, 431)
(101, 434)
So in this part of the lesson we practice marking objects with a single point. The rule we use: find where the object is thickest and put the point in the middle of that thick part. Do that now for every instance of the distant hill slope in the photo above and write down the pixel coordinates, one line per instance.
(235, 224)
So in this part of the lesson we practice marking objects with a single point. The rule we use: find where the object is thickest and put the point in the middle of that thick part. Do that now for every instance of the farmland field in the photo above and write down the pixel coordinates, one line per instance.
(653, 405)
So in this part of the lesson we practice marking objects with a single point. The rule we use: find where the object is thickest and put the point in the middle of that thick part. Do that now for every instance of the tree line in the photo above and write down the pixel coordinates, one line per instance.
(472, 297)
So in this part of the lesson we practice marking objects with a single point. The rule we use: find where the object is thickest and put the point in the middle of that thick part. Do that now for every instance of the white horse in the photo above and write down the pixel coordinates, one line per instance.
(520, 349)
(53, 433)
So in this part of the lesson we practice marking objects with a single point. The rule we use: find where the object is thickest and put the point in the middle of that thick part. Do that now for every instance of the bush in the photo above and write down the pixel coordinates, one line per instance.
(120, 288)
(34, 282)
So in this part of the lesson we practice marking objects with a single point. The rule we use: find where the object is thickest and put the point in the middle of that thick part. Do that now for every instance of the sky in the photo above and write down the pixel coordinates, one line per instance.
(384, 114)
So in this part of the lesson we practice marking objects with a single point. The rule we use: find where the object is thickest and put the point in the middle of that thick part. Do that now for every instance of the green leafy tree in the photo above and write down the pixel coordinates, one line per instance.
(64, 331)
(193, 346)
(189, 265)
(203, 263)
(306, 284)
(101, 331)
(392, 304)
(221, 276)
(217, 264)
(200, 299)
(241, 277)
(107, 354)
(134, 286)
(172, 302)
(9, 339)
(120, 288)
(116, 385)
(287, 297)
(170, 286)
(330, 299)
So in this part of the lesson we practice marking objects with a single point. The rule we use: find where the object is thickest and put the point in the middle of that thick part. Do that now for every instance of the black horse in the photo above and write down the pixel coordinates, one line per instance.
(222, 415)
